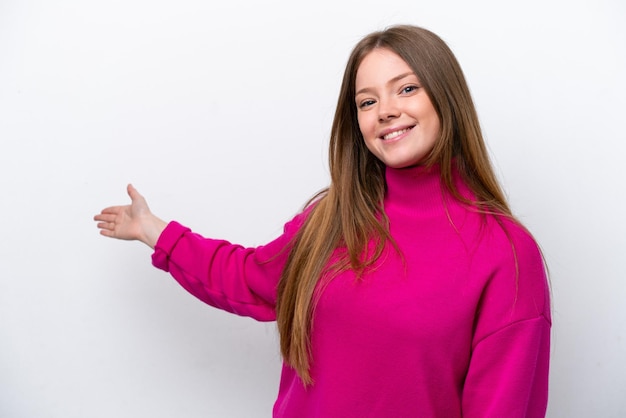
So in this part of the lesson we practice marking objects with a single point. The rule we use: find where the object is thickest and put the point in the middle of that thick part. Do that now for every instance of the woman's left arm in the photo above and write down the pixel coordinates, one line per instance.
(508, 371)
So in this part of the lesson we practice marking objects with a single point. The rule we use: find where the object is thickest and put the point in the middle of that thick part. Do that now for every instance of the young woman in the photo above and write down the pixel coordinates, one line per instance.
(407, 288)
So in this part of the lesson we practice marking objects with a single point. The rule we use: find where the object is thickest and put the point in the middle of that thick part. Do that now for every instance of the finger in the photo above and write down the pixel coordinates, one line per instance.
(133, 193)
(109, 226)
(105, 217)
(107, 233)
(113, 210)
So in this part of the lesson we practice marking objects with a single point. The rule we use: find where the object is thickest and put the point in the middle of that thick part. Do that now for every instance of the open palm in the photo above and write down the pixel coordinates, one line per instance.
(131, 222)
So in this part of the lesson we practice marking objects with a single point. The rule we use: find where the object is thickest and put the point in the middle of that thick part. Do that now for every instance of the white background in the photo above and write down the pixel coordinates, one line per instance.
(219, 112)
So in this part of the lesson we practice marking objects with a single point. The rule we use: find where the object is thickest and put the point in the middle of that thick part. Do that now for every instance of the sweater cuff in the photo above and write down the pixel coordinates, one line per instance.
(168, 239)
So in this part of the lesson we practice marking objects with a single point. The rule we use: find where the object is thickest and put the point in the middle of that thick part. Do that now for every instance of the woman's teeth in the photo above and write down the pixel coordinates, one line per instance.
(395, 134)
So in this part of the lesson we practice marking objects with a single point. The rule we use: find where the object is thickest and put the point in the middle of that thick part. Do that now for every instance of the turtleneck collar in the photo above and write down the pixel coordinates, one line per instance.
(418, 189)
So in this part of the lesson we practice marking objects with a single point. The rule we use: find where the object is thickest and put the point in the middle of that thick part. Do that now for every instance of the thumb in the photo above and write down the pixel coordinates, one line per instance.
(133, 193)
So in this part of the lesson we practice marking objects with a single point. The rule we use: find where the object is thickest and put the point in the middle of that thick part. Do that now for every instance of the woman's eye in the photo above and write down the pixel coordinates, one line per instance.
(409, 89)
(366, 103)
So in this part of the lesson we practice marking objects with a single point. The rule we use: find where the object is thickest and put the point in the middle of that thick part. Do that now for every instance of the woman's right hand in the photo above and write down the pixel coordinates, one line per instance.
(131, 222)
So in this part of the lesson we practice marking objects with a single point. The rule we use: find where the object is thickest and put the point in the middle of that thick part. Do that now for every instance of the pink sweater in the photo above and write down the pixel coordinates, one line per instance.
(460, 329)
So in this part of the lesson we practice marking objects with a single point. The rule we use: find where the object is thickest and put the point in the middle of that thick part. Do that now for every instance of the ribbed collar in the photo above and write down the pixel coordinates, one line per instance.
(416, 189)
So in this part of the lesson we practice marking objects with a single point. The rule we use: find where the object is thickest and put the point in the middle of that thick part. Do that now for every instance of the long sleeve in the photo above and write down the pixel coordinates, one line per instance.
(508, 371)
(224, 275)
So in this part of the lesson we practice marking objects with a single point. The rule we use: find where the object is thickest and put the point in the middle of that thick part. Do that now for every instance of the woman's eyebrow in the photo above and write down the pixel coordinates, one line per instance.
(393, 80)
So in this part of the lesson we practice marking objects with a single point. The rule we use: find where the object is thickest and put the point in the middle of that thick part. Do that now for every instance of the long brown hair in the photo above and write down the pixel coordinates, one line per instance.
(349, 214)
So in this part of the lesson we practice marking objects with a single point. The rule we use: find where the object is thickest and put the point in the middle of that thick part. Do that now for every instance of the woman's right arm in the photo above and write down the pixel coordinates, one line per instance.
(227, 276)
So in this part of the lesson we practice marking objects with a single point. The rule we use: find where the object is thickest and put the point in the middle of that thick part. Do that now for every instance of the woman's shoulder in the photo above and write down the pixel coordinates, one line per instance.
(511, 229)
(498, 240)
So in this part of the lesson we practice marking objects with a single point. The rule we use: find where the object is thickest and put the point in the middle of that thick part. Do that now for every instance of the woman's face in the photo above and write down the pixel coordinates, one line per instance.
(396, 117)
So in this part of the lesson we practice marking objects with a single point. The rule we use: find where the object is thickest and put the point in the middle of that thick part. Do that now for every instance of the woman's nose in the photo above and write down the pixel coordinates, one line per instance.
(387, 109)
